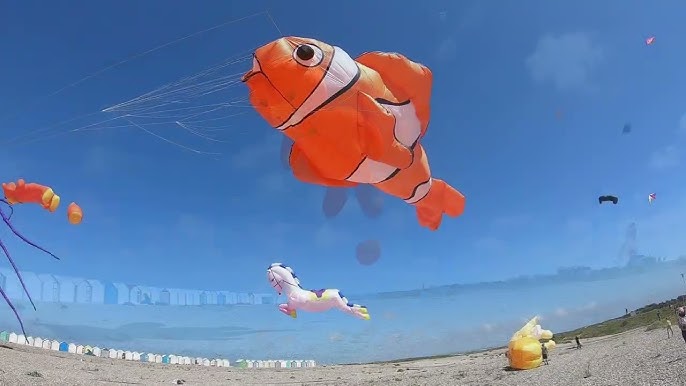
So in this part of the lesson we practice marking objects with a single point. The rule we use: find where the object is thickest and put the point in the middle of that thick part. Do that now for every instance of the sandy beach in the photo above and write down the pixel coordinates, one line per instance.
(631, 358)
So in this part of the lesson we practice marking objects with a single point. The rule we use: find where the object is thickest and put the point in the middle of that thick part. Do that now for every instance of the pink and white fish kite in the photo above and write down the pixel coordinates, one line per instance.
(650, 40)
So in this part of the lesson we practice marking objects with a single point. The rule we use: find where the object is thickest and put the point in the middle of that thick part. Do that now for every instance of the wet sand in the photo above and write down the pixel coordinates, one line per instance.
(631, 358)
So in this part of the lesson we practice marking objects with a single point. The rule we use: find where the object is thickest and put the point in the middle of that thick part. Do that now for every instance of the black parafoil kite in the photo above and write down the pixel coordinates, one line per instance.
(612, 199)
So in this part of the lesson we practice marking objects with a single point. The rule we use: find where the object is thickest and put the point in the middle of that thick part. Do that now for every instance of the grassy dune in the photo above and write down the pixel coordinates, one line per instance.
(643, 317)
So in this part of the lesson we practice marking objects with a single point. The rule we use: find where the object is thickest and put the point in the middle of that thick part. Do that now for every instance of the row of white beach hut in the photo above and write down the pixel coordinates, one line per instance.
(56, 345)
(49, 288)
(279, 364)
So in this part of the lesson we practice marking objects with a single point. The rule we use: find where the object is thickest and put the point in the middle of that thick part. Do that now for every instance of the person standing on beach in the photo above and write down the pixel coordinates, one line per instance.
(578, 343)
(670, 332)
(544, 353)
(682, 321)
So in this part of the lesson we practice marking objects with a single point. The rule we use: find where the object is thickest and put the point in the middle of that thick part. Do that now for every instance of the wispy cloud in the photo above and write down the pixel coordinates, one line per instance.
(257, 154)
(566, 61)
(667, 157)
(328, 236)
(13, 168)
(670, 155)
(578, 227)
(513, 221)
(272, 182)
(443, 16)
(447, 48)
(336, 337)
(101, 159)
(488, 327)
(490, 245)
(467, 19)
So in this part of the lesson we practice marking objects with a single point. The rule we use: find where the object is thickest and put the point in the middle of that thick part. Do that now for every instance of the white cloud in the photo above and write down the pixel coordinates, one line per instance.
(273, 182)
(259, 154)
(670, 155)
(336, 337)
(513, 221)
(101, 159)
(566, 61)
(388, 315)
(328, 236)
(489, 245)
(443, 16)
(561, 312)
(667, 157)
(97, 160)
(447, 49)
(469, 17)
(15, 166)
(578, 227)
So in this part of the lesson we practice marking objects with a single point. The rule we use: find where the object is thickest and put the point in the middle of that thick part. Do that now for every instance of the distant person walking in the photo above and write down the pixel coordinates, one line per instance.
(578, 343)
(670, 332)
(682, 321)
(544, 353)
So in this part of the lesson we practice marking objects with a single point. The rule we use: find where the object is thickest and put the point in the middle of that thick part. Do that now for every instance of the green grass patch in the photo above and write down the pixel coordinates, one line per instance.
(645, 317)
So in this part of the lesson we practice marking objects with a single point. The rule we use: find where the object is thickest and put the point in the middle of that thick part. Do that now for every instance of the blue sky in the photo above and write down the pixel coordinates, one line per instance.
(160, 215)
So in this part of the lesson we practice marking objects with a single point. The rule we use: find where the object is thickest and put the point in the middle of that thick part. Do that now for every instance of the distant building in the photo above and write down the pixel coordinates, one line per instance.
(641, 261)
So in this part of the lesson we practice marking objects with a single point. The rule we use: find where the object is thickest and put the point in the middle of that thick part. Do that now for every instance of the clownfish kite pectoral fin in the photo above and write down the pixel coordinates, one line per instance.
(304, 171)
(441, 199)
(376, 128)
(405, 79)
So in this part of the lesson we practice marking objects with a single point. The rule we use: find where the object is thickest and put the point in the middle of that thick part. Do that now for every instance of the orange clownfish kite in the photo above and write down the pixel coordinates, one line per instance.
(23, 193)
(352, 121)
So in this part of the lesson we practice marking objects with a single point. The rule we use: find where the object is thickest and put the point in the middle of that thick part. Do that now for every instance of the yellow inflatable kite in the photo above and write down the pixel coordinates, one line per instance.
(524, 351)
